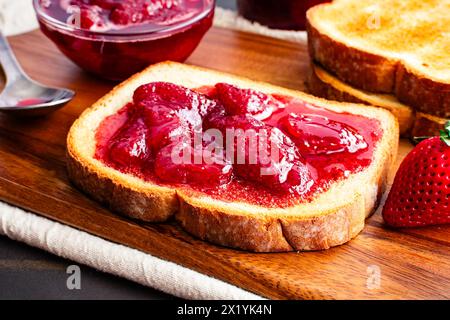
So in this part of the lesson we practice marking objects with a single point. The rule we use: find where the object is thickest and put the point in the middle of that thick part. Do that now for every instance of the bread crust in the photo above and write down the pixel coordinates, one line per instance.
(320, 88)
(427, 125)
(136, 204)
(234, 225)
(358, 68)
(376, 73)
(333, 89)
(272, 234)
(425, 95)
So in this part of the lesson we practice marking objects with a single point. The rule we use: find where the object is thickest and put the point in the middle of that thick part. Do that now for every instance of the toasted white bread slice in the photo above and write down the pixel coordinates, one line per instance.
(332, 218)
(323, 84)
(389, 46)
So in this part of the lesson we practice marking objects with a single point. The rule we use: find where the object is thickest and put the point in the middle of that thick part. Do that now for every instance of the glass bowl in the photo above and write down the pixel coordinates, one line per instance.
(117, 55)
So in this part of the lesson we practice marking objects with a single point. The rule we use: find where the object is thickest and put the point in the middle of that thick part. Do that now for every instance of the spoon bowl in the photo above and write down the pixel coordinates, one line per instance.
(23, 96)
(30, 98)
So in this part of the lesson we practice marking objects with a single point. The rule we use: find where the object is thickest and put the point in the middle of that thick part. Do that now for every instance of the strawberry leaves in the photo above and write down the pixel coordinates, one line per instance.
(445, 134)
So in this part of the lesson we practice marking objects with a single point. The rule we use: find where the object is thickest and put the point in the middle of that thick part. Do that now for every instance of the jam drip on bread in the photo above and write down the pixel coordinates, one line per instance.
(235, 144)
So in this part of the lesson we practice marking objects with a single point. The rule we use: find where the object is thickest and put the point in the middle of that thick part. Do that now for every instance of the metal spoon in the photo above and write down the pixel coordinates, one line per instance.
(23, 96)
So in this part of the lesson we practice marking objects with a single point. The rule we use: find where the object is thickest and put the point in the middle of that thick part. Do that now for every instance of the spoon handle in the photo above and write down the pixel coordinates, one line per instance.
(8, 61)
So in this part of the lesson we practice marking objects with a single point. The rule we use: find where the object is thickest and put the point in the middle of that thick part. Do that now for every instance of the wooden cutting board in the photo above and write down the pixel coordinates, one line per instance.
(411, 263)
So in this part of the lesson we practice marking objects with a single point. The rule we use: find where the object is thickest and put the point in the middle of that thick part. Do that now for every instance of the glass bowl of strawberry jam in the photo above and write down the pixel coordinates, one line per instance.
(114, 39)
(277, 14)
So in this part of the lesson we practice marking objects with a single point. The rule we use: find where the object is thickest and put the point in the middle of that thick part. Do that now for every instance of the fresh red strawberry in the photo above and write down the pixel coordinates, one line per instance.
(420, 195)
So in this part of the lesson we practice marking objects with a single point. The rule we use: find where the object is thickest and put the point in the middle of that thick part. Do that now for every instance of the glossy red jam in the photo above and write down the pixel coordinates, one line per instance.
(305, 148)
(115, 39)
(278, 14)
(30, 102)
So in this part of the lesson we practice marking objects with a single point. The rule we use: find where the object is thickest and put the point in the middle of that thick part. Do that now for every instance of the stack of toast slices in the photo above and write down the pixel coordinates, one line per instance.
(329, 219)
(392, 54)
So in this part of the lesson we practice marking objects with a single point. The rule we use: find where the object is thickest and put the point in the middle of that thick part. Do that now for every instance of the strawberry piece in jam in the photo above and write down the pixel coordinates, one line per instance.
(129, 146)
(246, 101)
(172, 112)
(318, 135)
(278, 164)
(262, 154)
(181, 163)
(90, 18)
(171, 96)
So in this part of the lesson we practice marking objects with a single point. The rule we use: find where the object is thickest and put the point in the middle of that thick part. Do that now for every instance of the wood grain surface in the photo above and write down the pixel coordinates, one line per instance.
(412, 263)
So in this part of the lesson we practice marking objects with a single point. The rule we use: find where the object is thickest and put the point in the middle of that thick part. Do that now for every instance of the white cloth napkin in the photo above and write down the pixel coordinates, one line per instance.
(231, 20)
(106, 256)
(17, 17)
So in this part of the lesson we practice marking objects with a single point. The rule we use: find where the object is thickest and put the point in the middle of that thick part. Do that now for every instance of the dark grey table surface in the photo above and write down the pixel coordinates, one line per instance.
(30, 273)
